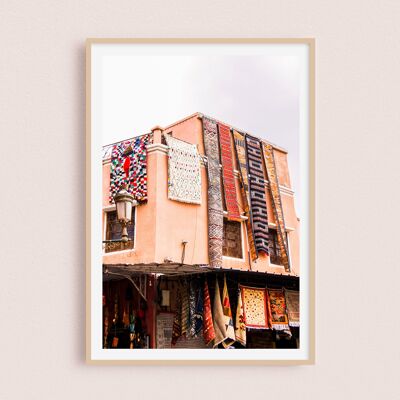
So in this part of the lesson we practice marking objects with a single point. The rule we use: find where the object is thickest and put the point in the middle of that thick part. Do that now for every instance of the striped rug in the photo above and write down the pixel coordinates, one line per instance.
(227, 173)
(240, 150)
(257, 194)
(276, 203)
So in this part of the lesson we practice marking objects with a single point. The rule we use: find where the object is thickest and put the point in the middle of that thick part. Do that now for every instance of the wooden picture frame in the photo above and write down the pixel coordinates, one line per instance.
(95, 355)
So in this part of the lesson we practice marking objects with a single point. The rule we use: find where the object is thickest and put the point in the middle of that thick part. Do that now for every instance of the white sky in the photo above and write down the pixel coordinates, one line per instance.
(258, 94)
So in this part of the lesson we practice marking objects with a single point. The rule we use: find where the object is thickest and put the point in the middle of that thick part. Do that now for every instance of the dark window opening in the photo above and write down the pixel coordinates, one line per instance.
(274, 249)
(114, 232)
(232, 241)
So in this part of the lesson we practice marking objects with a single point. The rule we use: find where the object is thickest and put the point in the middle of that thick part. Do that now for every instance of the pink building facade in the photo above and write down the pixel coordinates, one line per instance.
(162, 225)
(169, 244)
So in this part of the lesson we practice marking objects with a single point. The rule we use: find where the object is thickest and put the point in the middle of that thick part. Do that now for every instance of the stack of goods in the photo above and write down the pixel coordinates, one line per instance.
(184, 178)
(129, 168)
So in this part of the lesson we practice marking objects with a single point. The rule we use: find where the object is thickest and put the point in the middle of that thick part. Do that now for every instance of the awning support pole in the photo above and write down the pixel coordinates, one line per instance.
(131, 281)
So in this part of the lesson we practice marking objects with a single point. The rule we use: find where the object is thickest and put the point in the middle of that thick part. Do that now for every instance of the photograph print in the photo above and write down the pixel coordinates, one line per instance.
(199, 227)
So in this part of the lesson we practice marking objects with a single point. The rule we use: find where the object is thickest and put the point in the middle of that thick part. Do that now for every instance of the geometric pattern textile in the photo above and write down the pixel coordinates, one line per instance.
(277, 305)
(177, 324)
(276, 203)
(230, 330)
(184, 309)
(257, 195)
(129, 167)
(215, 210)
(255, 310)
(208, 327)
(198, 314)
(192, 307)
(240, 150)
(240, 325)
(227, 173)
(218, 318)
(184, 179)
(293, 307)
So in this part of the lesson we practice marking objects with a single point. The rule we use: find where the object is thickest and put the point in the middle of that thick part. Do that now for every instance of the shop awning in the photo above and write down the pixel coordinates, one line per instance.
(153, 268)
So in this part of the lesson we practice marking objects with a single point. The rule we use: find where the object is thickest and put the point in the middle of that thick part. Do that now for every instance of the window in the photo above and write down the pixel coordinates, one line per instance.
(274, 250)
(114, 231)
(232, 241)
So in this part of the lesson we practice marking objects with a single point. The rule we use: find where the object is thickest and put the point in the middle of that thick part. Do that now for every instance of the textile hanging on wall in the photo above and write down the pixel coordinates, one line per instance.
(226, 305)
(118, 177)
(208, 328)
(293, 307)
(257, 194)
(218, 318)
(184, 309)
(184, 177)
(192, 308)
(276, 203)
(195, 308)
(215, 210)
(240, 326)
(240, 150)
(277, 305)
(255, 309)
(177, 324)
(129, 167)
(231, 200)
(198, 314)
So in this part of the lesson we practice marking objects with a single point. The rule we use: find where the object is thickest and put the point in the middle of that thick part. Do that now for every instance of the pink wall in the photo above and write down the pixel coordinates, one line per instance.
(162, 224)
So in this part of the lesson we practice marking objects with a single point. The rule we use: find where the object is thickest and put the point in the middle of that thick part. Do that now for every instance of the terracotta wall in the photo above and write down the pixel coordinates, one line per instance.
(163, 224)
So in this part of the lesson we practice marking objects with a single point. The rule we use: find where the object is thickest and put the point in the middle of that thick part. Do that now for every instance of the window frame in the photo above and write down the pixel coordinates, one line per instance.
(112, 208)
(288, 247)
(243, 258)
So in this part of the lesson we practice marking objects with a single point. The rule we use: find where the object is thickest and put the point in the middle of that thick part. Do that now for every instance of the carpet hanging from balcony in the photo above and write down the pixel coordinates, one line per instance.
(240, 150)
(293, 307)
(208, 327)
(184, 178)
(215, 210)
(257, 195)
(276, 203)
(228, 178)
(129, 167)
(277, 305)
(255, 307)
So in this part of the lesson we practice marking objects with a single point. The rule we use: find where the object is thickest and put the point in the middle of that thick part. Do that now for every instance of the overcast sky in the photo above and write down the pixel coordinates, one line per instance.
(258, 94)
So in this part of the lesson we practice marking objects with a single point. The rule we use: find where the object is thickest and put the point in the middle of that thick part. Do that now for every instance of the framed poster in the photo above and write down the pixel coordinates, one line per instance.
(200, 201)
